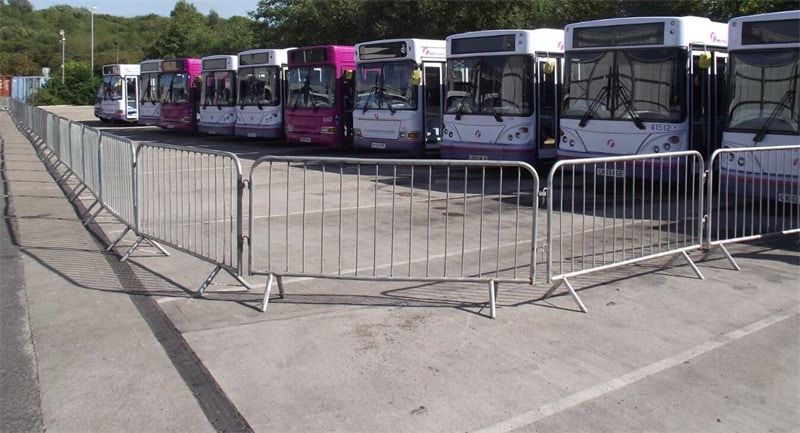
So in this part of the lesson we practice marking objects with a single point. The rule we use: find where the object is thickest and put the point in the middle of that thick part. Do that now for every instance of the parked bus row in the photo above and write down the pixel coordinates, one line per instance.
(624, 86)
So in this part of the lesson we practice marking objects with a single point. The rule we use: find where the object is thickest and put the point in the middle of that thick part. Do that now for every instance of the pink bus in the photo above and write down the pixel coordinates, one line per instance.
(319, 108)
(179, 95)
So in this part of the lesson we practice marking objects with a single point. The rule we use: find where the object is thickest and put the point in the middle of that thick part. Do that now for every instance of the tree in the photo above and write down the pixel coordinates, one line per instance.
(79, 87)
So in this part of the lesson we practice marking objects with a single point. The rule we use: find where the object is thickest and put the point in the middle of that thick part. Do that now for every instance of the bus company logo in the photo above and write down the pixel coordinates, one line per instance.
(796, 162)
(426, 51)
(376, 116)
(478, 134)
(611, 143)
(560, 46)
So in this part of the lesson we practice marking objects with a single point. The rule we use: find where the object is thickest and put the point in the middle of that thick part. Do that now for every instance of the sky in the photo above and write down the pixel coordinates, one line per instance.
(131, 8)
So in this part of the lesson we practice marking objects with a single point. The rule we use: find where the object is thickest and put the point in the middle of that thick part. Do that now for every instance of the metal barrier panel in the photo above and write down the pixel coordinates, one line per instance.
(117, 161)
(405, 220)
(53, 136)
(65, 145)
(753, 193)
(608, 212)
(191, 200)
(91, 160)
(76, 150)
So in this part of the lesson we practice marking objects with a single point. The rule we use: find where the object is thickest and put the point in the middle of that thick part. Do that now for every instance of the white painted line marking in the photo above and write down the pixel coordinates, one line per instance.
(573, 400)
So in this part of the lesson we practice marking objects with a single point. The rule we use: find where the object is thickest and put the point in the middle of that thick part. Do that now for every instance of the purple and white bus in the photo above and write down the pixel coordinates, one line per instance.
(179, 94)
(319, 107)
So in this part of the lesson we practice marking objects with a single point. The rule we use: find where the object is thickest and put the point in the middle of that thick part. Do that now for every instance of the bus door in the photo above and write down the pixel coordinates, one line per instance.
(348, 103)
(131, 96)
(548, 90)
(432, 100)
(706, 93)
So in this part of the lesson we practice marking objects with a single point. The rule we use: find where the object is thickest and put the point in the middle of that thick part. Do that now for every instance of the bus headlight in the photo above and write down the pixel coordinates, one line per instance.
(740, 162)
(357, 132)
(656, 149)
(327, 130)
(289, 127)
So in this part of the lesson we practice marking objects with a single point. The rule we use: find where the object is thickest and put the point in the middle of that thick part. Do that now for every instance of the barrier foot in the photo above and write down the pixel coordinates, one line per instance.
(94, 215)
(572, 293)
(77, 192)
(268, 289)
(60, 181)
(691, 263)
(688, 260)
(133, 247)
(493, 299)
(727, 254)
(88, 211)
(119, 238)
(207, 282)
(157, 246)
(241, 280)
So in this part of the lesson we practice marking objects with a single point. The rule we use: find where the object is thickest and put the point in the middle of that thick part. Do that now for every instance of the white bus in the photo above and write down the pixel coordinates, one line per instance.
(763, 108)
(117, 96)
(217, 111)
(503, 89)
(398, 92)
(642, 85)
(262, 93)
(149, 93)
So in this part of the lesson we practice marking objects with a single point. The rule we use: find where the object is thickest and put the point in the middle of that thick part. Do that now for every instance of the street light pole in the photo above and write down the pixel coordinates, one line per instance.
(117, 44)
(94, 8)
(63, 41)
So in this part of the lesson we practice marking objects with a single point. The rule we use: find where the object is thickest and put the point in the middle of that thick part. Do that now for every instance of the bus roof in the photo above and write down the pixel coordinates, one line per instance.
(264, 56)
(746, 32)
(646, 31)
(122, 69)
(317, 54)
(401, 48)
(506, 41)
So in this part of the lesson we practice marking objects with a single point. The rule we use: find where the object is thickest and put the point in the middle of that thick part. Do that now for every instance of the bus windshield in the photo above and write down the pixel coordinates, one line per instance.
(312, 87)
(175, 88)
(259, 86)
(490, 85)
(112, 88)
(149, 90)
(386, 85)
(763, 91)
(218, 89)
(640, 84)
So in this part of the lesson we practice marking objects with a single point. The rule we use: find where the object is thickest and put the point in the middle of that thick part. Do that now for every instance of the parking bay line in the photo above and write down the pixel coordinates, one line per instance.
(609, 386)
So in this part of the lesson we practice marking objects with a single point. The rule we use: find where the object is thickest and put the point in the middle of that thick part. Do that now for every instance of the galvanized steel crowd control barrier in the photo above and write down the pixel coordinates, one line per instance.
(399, 220)
(608, 212)
(423, 220)
(753, 193)
(191, 200)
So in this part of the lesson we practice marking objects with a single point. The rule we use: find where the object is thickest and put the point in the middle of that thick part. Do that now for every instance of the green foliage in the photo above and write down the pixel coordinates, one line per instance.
(79, 86)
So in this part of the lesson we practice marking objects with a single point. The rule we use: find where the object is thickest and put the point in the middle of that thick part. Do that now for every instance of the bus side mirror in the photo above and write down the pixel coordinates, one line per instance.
(416, 77)
(549, 67)
(348, 74)
(705, 60)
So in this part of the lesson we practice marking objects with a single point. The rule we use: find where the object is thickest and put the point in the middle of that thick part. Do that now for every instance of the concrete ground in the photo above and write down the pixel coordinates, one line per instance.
(91, 344)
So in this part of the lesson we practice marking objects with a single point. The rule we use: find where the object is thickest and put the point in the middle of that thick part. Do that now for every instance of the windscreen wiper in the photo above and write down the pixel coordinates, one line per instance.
(624, 94)
(468, 94)
(593, 106)
(784, 102)
(371, 94)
